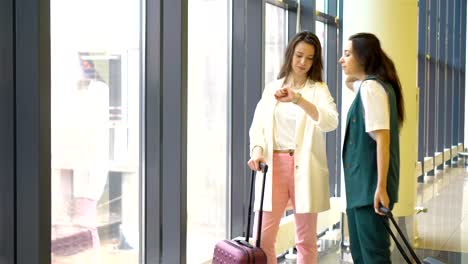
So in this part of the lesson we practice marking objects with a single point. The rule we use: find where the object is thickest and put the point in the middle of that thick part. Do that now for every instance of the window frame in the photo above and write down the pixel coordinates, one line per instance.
(7, 132)
(164, 124)
(31, 155)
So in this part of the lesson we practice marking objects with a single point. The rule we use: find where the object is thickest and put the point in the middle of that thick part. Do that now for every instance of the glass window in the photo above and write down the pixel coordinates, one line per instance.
(207, 124)
(275, 40)
(95, 66)
(320, 31)
(321, 5)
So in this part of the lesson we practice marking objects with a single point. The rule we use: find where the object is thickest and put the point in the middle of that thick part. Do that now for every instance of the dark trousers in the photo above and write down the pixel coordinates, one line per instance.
(369, 240)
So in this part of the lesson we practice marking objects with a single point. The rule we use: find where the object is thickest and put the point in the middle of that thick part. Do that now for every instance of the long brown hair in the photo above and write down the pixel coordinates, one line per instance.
(366, 47)
(315, 72)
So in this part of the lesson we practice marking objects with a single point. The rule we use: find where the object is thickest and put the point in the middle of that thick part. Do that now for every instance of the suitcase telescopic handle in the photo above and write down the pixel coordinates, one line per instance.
(388, 213)
(385, 211)
(264, 168)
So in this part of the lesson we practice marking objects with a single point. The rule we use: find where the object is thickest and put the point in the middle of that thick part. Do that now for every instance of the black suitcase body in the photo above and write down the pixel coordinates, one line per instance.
(428, 260)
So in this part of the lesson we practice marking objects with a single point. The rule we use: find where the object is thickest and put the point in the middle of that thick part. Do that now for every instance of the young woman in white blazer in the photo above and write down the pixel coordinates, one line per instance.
(288, 133)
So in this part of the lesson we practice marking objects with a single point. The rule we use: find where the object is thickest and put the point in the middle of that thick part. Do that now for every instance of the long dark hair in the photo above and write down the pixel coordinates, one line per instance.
(315, 72)
(368, 52)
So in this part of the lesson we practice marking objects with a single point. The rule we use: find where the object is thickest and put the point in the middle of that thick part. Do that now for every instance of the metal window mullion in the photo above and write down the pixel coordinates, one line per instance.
(285, 4)
(449, 90)
(463, 10)
(431, 78)
(292, 23)
(247, 86)
(7, 132)
(238, 124)
(307, 15)
(459, 107)
(456, 79)
(333, 139)
(150, 126)
(164, 115)
(435, 76)
(339, 95)
(326, 18)
(441, 95)
(421, 77)
(173, 131)
(32, 131)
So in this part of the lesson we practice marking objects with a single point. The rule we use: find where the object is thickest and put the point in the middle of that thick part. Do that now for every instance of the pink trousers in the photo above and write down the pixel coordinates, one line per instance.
(306, 224)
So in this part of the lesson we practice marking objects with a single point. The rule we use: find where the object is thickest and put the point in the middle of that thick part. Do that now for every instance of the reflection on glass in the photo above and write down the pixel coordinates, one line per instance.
(95, 131)
(320, 31)
(320, 5)
(275, 40)
(207, 127)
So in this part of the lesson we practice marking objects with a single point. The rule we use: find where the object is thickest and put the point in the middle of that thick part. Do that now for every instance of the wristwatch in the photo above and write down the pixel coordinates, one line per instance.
(296, 98)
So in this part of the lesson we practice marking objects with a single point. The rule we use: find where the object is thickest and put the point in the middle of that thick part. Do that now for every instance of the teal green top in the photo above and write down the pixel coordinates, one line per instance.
(360, 154)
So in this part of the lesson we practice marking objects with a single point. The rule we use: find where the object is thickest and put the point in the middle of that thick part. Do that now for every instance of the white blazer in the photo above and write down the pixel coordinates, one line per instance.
(311, 181)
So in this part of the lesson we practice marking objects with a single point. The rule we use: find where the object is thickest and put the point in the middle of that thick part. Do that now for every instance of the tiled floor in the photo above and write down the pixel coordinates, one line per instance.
(442, 232)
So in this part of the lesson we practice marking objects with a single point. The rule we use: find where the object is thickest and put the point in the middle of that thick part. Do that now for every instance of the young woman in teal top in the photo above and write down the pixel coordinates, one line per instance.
(371, 154)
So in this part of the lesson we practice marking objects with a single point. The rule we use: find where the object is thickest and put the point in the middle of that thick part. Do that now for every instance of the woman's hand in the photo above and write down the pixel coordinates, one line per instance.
(285, 94)
(381, 199)
(256, 158)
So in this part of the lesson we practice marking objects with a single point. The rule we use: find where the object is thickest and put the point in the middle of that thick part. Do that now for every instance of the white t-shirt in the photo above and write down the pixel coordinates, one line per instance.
(375, 102)
(285, 126)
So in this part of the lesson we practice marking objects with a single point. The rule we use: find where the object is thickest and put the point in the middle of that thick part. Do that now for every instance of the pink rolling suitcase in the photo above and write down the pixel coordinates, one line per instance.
(241, 251)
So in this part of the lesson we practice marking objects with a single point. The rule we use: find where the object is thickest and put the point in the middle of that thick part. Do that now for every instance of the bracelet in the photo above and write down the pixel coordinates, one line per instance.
(251, 152)
(258, 147)
(295, 100)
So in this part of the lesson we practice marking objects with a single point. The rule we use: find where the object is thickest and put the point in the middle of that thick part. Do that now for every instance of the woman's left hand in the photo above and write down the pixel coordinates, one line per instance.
(381, 199)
